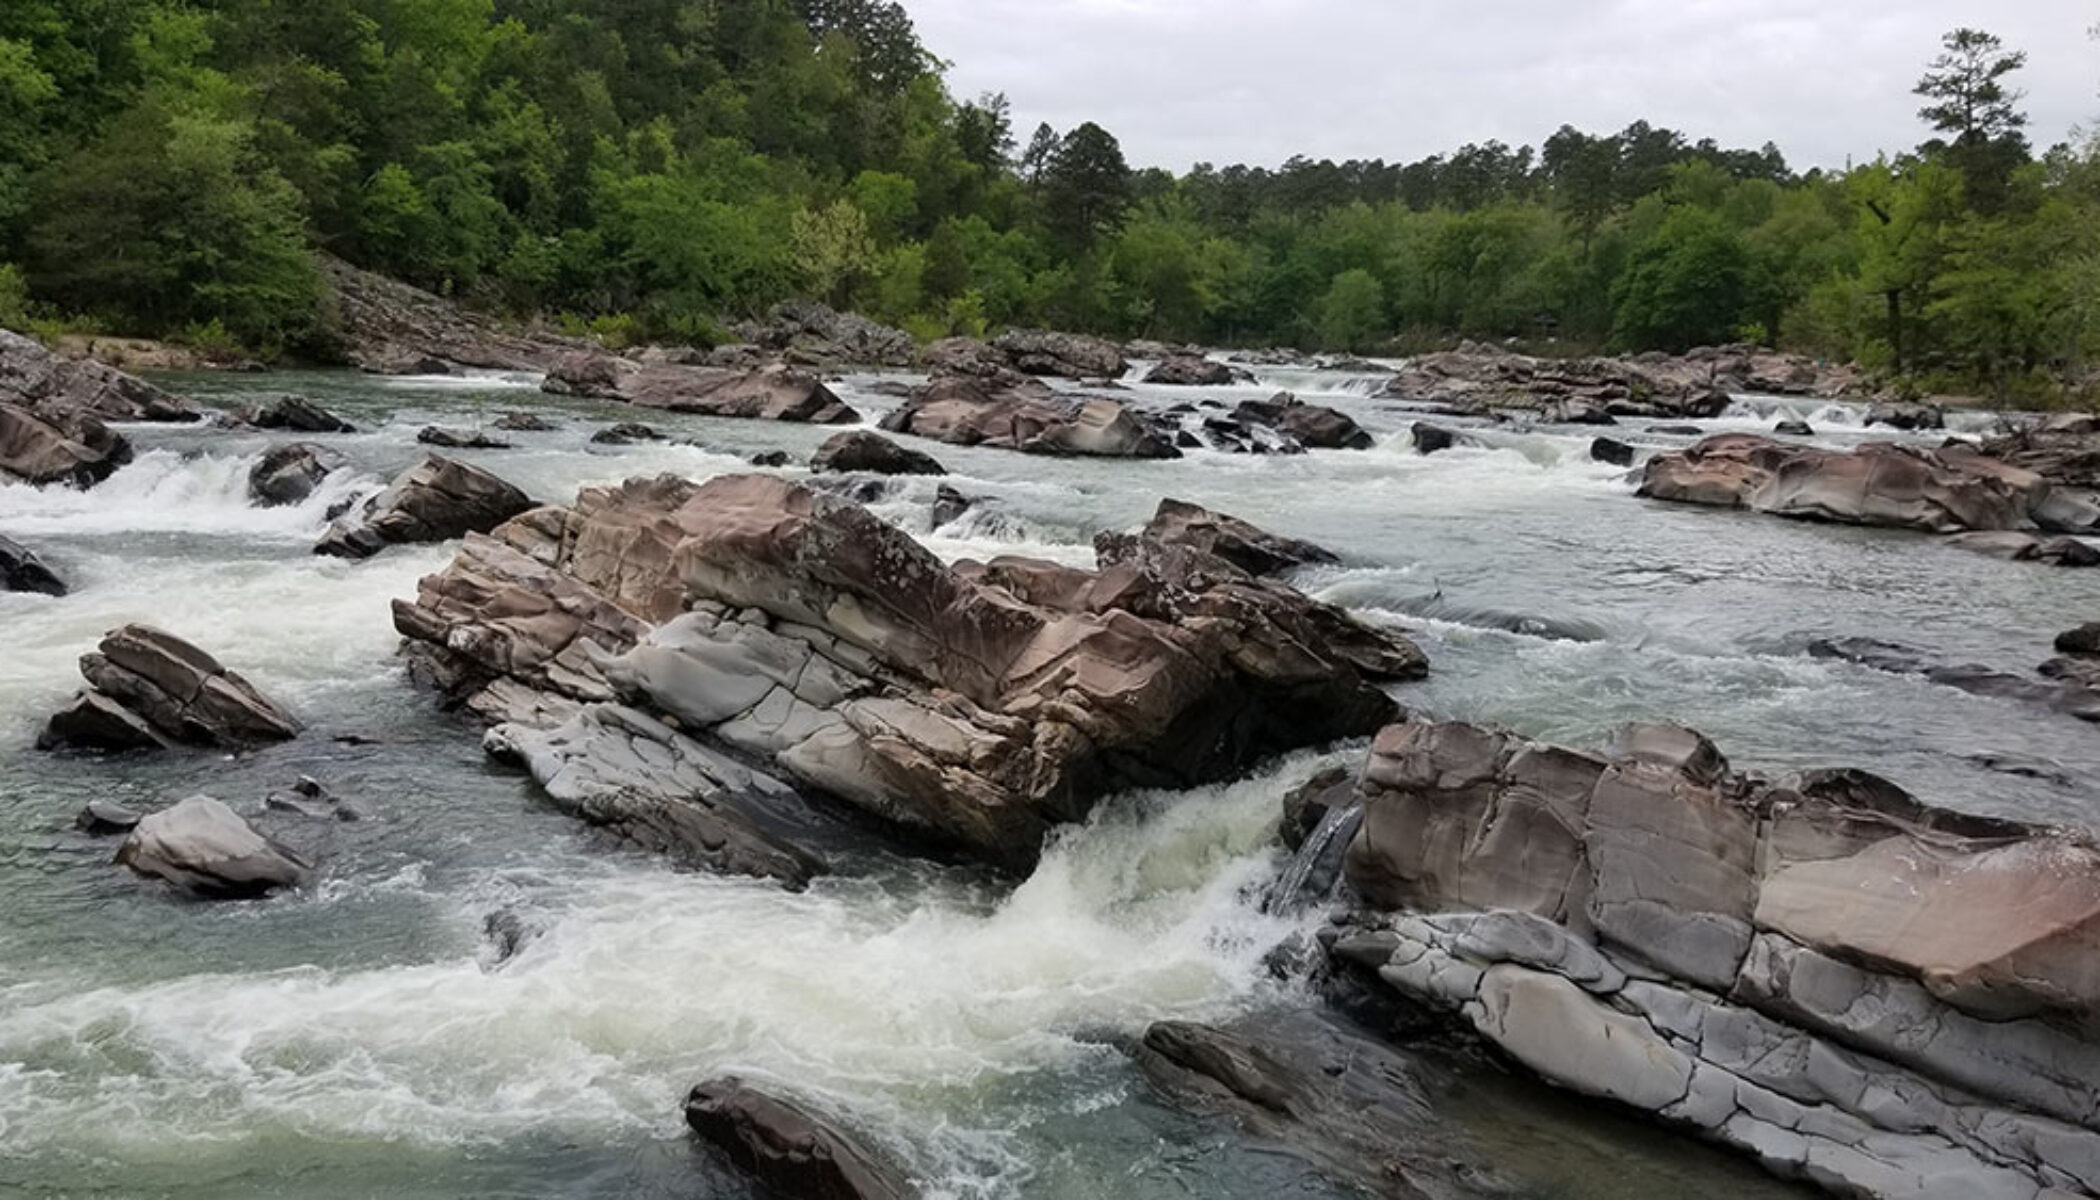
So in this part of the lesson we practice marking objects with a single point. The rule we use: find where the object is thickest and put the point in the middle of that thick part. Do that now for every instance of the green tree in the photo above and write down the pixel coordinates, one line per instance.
(1686, 286)
(1969, 102)
(1086, 186)
(1352, 313)
(833, 250)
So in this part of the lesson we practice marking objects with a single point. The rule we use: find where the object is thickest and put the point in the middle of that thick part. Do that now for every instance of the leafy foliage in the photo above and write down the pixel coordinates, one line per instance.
(651, 168)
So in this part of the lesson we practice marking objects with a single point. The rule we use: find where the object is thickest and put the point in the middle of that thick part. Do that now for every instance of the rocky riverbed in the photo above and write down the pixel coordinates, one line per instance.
(930, 789)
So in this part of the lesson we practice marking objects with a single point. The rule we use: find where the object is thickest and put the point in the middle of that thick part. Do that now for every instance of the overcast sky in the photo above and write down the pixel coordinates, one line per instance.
(1184, 81)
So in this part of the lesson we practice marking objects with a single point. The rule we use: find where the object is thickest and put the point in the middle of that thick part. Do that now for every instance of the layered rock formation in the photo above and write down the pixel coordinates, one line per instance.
(1028, 416)
(1041, 352)
(975, 707)
(1883, 998)
(1312, 426)
(50, 385)
(1481, 380)
(788, 1149)
(774, 393)
(1949, 490)
(205, 848)
(811, 334)
(436, 500)
(395, 329)
(2063, 448)
(69, 447)
(148, 688)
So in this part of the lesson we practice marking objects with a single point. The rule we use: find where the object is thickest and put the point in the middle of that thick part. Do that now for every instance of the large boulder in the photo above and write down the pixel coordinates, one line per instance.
(147, 687)
(1194, 370)
(788, 1149)
(1885, 998)
(773, 393)
(37, 379)
(1029, 417)
(22, 571)
(289, 474)
(1246, 546)
(205, 848)
(975, 706)
(1313, 426)
(69, 446)
(859, 450)
(436, 500)
(1950, 490)
(1039, 352)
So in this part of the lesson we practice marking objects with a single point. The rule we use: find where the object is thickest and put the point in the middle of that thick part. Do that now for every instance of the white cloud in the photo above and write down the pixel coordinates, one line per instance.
(1182, 81)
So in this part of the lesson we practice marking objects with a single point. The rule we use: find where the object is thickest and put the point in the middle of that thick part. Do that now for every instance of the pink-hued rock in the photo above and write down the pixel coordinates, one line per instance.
(771, 393)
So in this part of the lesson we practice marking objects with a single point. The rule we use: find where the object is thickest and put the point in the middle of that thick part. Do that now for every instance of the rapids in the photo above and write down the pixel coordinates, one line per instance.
(359, 1038)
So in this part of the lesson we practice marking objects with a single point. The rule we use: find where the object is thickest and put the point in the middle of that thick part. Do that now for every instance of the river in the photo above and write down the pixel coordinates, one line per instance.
(353, 1040)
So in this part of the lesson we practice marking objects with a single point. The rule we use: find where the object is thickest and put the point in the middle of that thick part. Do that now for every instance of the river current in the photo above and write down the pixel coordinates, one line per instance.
(354, 1040)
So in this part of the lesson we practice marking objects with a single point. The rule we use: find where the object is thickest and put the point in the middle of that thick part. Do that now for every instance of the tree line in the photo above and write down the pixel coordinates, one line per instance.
(652, 169)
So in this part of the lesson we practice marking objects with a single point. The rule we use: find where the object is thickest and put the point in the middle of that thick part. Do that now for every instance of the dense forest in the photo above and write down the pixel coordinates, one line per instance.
(650, 169)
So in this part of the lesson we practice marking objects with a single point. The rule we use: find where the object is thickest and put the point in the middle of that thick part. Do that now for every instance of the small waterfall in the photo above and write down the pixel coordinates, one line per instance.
(1317, 866)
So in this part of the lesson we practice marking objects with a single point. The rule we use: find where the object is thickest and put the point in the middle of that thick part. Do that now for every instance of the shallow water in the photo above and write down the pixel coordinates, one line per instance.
(354, 1041)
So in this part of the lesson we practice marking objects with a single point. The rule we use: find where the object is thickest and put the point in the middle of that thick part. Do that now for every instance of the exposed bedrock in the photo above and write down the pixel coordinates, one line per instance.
(754, 625)
(1877, 996)
(772, 393)
(1950, 490)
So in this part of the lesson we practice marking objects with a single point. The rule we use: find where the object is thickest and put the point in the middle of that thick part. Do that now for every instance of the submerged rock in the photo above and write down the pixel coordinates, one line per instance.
(626, 433)
(1860, 990)
(22, 571)
(789, 1149)
(1323, 1093)
(205, 848)
(975, 706)
(2026, 547)
(459, 439)
(436, 500)
(859, 450)
(1794, 429)
(290, 474)
(774, 393)
(149, 688)
(1027, 416)
(70, 447)
(522, 422)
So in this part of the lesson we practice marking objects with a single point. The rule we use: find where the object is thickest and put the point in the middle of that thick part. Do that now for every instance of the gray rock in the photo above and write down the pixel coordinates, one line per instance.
(204, 847)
